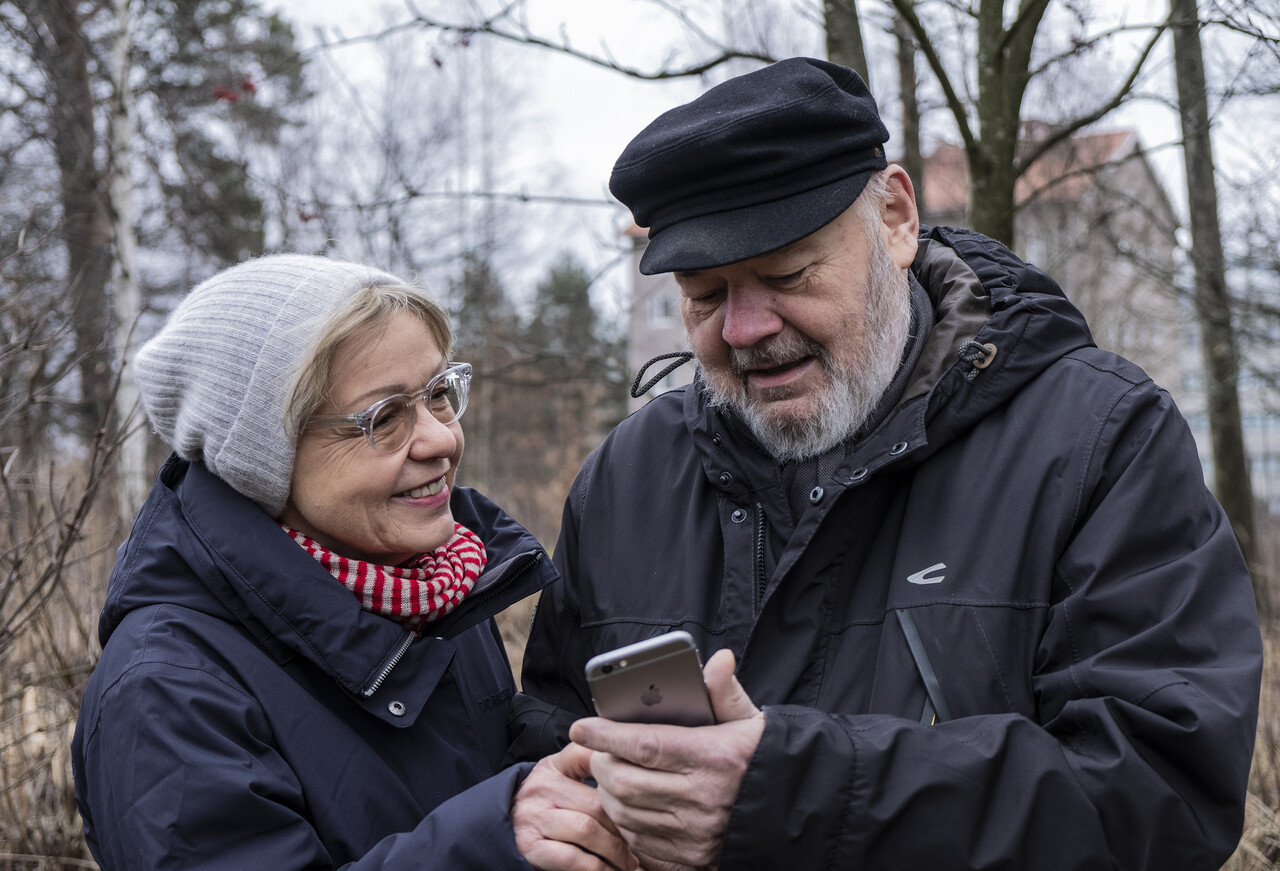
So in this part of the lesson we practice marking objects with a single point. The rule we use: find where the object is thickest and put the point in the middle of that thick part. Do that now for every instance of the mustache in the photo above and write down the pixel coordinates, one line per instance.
(775, 351)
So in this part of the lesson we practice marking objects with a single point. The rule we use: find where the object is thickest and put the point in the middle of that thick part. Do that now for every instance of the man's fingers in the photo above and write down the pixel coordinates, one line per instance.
(648, 863)
(664, 834)
(647, 744)
(643, 788)
(670, 816)
(680, 749)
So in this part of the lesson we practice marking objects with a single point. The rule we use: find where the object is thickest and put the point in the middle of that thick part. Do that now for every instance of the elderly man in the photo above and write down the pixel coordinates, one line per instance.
(983, 609)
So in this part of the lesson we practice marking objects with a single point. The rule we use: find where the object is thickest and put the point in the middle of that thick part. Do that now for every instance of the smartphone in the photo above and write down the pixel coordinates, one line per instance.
(658, 680)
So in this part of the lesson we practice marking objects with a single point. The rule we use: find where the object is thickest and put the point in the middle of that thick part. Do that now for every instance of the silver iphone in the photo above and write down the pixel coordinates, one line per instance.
(658, 680)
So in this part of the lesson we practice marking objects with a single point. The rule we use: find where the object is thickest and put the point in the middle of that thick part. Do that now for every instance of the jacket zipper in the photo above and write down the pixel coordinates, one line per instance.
(489, 593)
(761, 581)
(410, 635)
(520, 571)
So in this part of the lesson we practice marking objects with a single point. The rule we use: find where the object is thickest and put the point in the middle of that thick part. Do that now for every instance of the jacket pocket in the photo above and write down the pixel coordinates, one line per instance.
(936, 709)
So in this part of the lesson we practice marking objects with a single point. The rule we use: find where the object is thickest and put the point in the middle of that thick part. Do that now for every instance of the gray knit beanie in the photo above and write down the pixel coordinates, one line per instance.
(215, 379)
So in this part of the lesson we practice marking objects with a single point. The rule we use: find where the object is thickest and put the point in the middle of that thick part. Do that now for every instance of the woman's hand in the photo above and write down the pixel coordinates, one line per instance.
(559, 822)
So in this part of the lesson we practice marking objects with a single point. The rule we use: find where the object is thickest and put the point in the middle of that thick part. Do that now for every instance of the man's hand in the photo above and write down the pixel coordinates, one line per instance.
(669, 788)
(559, 822)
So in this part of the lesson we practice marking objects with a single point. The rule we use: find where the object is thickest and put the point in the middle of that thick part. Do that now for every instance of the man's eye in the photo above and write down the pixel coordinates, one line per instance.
(704, 297)
(789, 278)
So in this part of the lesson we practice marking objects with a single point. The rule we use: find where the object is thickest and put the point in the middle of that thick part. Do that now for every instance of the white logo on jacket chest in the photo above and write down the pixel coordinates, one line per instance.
(924, 577)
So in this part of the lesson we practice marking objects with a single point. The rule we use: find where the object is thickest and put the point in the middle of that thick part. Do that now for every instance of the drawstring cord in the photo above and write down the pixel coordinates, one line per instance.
(978, 355)
(637, 390)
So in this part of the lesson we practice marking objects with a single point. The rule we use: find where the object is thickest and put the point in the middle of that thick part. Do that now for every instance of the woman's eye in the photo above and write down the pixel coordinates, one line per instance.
(386, 417)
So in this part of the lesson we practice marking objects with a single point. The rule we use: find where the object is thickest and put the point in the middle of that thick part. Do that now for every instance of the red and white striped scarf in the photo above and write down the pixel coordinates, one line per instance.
(412, 595)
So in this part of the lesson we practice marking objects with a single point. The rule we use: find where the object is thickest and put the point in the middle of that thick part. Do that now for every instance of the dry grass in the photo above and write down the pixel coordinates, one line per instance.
(46, 664)
(1259, 848)
(514, 625)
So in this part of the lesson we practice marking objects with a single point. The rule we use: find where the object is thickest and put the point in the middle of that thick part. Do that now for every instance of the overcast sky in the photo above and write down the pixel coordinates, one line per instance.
(577, 116)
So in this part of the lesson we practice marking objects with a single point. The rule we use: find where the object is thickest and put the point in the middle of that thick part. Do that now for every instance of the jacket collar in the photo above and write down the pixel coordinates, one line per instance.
(252, 572)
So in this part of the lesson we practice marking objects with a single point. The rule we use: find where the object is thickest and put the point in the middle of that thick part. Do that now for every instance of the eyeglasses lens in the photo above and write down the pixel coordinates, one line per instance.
(392, 421)
(446, 398)
(390, 425)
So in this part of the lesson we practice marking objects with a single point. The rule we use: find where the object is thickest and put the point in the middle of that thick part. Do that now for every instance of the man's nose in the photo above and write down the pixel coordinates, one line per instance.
(749, 317)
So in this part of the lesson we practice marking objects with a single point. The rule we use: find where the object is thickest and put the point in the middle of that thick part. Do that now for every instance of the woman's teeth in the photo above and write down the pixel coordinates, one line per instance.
(426, 490)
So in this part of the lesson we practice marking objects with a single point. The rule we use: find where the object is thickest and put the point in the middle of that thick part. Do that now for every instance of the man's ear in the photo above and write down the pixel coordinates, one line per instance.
(901, 220)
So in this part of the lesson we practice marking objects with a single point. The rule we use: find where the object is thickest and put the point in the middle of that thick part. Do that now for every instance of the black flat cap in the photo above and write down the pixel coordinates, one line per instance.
(753, 164)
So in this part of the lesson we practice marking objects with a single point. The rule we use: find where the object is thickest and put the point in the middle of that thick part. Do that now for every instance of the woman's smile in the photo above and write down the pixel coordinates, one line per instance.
(425, 490)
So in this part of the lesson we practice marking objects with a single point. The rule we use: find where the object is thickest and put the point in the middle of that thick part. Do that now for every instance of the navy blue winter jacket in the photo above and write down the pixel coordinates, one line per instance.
(247, 713)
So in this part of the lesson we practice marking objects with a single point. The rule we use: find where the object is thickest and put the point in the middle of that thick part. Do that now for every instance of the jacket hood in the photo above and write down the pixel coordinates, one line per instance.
(199, 544)
(997, 323)
(983, 294)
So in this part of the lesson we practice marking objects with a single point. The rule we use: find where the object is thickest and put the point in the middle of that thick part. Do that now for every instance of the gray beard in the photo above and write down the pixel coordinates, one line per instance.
(854, 386)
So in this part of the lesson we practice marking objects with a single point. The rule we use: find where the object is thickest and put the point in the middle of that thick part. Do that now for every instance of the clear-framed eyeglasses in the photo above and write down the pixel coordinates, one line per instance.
(388, 423)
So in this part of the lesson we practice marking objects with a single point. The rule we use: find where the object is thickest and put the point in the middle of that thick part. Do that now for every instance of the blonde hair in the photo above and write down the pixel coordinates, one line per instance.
(369, 308)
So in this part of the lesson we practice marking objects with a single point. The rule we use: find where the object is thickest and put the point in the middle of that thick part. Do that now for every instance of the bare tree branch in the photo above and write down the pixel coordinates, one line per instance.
(956, 106)
(500, 27)
(1066, 131)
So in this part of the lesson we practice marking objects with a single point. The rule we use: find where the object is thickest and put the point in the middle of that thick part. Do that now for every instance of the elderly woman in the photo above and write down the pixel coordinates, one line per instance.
(300, 668)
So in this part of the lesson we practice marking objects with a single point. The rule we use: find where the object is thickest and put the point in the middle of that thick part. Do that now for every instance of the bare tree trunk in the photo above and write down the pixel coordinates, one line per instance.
(912, 159)
(1004, 64)
(131, 483)
(1003, 70)
(1213, 303)
(86, 224)
(844, 36)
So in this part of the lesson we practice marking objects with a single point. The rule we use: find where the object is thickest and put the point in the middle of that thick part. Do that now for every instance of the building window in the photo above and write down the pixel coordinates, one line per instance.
(662, 310)
(1037, 251)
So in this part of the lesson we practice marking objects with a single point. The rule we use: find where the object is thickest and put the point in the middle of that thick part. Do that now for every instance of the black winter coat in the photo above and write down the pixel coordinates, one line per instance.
(247, 713)
(1013, 630)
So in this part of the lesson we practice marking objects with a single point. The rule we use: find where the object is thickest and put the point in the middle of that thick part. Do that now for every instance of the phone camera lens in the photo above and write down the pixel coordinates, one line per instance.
(605, 669)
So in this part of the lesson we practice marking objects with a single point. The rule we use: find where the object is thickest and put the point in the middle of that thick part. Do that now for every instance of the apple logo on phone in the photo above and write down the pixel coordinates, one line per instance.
(651, 696)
